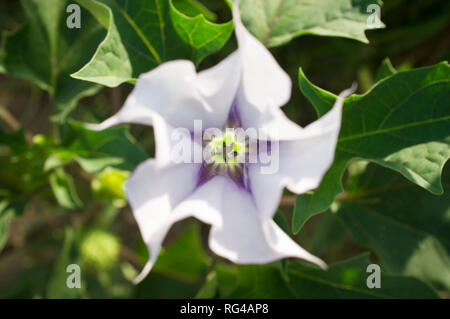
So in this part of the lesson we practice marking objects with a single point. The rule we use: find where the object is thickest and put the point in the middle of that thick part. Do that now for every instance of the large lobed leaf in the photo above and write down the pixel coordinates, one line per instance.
(407, 227)
(203, 36)
(143, 34)
(45, 51)
(403, 123)
(276, 22)
(346, 279)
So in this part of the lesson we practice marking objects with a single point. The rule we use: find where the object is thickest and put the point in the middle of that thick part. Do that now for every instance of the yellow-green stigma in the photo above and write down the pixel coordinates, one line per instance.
(227, 150)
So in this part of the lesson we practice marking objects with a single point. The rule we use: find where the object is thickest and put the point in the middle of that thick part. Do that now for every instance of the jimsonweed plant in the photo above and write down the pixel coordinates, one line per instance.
(121, 120)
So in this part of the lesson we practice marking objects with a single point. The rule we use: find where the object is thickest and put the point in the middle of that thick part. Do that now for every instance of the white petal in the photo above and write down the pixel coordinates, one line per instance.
(219, 84)
(305, 160)
(153, 191)
(243, 235)
(204, 203)
(174, 92)
(264, 83)
(131, 113)
(275, 124)
(305, 154)
(266, 189)
(272, 123)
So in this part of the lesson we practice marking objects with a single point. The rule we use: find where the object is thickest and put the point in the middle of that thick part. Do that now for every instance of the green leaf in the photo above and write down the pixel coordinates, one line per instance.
(321, 100)
(261, 282)
(185, 259)
(64, 190)
(203, 36)
(8, 211)
(403, 124)
(281, 221)
(57, 284)
(141, 36)
(110, 64)
(15, 141)
(226, 279)
(348, 279)
(342, 280)
(96, 150)
(276, 22)
(45, 51)
(385, 70)
(312, 203)
(164, 287)
(193, 8)
(406, 227)
(180, 269)
(209, 288)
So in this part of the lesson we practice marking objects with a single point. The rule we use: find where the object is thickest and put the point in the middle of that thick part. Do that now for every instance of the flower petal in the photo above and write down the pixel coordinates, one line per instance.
(153, 191)
(204, 203)
(238, 232)
(174, 92)
(244, 236)
(304, 161)
(271, 123)
(266, 189)
(264, 83)
(304, 155)
(219, 84)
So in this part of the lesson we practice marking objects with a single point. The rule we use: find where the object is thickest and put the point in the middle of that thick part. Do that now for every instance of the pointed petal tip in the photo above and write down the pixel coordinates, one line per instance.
(315, 260)
(307, 256)
(103, 125)
(322, 264)
(349, 91)
(93, 127)
(144, 273)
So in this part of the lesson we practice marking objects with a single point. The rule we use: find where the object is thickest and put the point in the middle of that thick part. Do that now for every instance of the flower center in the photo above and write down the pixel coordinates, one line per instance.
(226, 154)
(227, 149)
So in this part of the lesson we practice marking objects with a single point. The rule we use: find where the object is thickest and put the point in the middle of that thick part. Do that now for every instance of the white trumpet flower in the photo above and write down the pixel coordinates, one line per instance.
(246, 90)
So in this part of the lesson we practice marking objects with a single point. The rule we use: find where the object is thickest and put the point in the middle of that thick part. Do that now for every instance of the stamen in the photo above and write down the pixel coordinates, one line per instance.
(228, 153)
(227, 150)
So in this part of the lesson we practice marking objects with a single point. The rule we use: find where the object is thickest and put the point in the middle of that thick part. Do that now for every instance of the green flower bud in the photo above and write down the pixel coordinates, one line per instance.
(108, 186)
(40, 140)
(99, 249)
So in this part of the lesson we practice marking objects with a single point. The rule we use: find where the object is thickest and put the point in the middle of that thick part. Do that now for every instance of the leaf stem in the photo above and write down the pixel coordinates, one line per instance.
(12, 122)
(8, 118)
